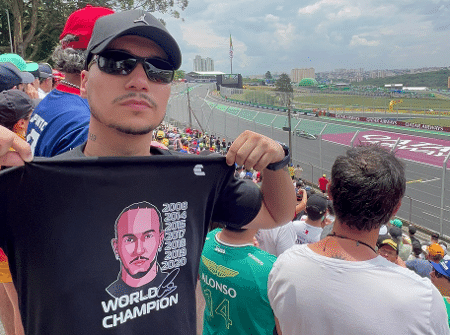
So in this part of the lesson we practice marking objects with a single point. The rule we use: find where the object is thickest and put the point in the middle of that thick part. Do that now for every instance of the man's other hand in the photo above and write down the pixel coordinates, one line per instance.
(9, 139)
(255, 151)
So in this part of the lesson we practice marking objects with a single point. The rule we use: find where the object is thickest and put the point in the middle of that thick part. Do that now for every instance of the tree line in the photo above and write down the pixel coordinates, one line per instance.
(37, 24)
(433, 80)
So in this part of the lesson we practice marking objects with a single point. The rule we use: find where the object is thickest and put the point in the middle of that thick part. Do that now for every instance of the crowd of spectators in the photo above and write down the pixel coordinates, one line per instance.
(294, 278)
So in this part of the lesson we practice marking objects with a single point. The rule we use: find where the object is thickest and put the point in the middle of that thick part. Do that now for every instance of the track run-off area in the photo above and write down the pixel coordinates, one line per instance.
(427, 198)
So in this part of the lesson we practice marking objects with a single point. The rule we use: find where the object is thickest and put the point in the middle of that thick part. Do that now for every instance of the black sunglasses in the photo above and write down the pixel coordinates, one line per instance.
(118, 62)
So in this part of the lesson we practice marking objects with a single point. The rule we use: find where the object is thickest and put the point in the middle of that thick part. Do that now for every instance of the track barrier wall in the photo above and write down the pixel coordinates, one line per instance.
(427, 198)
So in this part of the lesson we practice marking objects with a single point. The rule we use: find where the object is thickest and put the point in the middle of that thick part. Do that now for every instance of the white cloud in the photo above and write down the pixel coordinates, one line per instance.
(285, 34)
(357, 40)
(348, 13)
(278, 34)
(333, 33)
(311, 9)
(336, 37)
(271, 18)
(202, 35)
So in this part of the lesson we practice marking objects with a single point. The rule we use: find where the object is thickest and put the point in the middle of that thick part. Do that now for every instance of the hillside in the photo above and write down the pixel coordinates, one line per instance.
(433, 80)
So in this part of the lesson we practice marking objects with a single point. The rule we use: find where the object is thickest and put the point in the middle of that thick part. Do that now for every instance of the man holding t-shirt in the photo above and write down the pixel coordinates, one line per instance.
(73, 200)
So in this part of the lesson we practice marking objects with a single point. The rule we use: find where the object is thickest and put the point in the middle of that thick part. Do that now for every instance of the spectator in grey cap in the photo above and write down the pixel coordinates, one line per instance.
(12, 77)
(45, 80)
(15, 111)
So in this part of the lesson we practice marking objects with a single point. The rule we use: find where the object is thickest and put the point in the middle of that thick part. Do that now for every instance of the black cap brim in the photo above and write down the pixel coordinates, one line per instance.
(134, 22)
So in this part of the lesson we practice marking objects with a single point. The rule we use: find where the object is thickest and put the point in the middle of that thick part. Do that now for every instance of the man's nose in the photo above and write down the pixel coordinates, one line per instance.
(140, 247)
(138, 79)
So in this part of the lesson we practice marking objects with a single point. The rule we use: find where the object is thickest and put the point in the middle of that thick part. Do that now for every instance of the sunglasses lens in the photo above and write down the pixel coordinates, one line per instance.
(159, 71)
(122, 63)
(116, 62)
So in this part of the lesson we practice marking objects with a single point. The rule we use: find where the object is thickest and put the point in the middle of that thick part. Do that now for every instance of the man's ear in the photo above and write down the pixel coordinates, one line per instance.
(84, 82)
(396, 208)
(328, 191)
(115, 248)
(21, 123)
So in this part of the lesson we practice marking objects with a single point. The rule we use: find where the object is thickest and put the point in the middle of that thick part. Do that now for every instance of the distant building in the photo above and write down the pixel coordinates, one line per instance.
(416, 89)
(203, 64)
(257, 76)
(198, 63)
(378, 74)
(202, 76)
(308, 82)
(209, 64)
(298, 74)
(394, 86)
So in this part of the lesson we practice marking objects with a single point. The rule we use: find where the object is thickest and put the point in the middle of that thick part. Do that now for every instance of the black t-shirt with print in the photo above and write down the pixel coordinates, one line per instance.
(57, 225)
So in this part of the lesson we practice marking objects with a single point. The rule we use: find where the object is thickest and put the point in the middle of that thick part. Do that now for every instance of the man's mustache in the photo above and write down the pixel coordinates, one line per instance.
(133, 95)
(139, 258)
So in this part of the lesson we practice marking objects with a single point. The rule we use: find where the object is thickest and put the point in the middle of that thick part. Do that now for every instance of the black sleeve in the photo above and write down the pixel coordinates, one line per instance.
(10, 179)
(239, 202)
(3, 193)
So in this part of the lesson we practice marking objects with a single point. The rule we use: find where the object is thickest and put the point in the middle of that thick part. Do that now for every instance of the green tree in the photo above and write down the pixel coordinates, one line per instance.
(268, 75)
(283, 84)
(284, 89)
(37, 24)
(179, 74)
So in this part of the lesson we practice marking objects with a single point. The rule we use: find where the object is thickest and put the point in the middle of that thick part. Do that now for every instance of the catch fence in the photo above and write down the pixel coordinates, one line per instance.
(427, 198)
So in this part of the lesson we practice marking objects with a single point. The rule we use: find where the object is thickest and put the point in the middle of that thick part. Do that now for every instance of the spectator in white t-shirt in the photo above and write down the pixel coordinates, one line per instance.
(310, 226)
(340, 285)
(276, 240)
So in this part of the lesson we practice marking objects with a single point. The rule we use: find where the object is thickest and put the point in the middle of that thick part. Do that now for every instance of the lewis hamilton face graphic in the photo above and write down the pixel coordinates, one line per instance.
(139, 236)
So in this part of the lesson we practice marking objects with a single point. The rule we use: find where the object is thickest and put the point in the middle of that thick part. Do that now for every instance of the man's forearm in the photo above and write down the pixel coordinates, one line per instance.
(279, 195)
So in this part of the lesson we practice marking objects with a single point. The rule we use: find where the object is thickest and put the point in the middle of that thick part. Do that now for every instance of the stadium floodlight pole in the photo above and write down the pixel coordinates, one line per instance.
(444, 169)
(189, 106)
(289, 125)
(231, 54)
(9, 27)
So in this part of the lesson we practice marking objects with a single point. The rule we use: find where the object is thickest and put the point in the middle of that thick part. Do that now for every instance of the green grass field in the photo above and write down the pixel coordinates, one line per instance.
(373, 102)
(439, 102)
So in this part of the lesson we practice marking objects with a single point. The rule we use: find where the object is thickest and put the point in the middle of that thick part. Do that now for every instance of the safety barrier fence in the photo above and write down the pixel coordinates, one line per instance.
(427, 199)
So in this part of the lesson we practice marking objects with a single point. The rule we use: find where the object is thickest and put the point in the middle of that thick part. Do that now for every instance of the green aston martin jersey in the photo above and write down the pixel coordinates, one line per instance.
(234, 283)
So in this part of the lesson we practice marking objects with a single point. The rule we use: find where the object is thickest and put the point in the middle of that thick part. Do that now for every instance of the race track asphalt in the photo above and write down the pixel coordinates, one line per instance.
(422, 151)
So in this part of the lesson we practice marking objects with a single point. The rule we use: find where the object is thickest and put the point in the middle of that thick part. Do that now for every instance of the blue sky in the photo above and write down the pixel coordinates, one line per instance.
(280, 35)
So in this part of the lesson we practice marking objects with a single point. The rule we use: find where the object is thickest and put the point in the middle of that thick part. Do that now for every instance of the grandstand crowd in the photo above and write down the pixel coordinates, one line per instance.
(271, 252)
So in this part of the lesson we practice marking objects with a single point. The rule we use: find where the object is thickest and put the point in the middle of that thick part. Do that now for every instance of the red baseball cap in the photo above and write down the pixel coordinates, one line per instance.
(81, 23)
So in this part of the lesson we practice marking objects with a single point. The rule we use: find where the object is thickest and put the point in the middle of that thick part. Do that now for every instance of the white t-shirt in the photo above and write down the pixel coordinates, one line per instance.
(313, 294)
(305, 232)
(383, 230)
(275, 241)
(41, 93)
